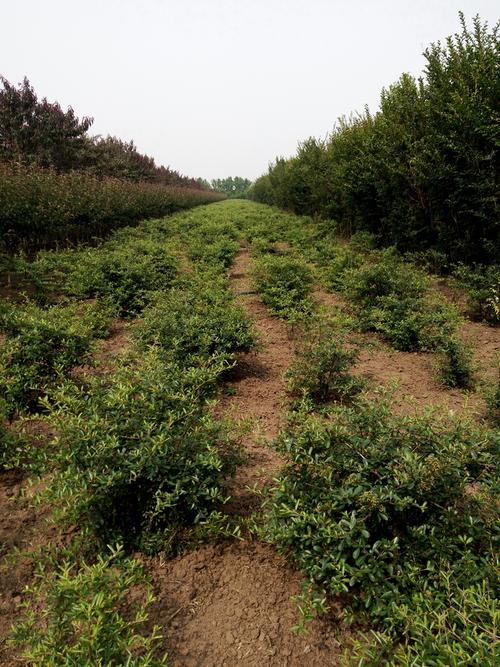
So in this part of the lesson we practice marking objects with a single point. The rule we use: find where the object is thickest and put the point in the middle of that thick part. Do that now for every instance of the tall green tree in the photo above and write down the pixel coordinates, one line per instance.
(234, 187)
(422, 172)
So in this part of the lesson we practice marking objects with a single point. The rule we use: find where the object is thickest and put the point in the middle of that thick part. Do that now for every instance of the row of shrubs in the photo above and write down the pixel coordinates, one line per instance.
(395, 514)
(138, 460)
(396, 517)
(421, 172)
(387, 292)
(41, 207)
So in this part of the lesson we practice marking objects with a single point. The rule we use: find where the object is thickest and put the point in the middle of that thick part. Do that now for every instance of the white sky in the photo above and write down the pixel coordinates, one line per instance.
(219, 88)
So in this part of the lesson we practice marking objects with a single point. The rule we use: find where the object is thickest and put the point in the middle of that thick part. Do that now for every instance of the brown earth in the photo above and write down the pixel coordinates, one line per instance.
(259, 391)
(229, 605)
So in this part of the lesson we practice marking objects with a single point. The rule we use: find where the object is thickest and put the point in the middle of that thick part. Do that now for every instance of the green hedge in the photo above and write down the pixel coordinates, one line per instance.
(40, 206)
(423, 170)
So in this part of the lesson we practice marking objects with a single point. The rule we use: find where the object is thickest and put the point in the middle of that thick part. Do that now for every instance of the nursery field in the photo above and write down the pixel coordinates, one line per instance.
(232, 436)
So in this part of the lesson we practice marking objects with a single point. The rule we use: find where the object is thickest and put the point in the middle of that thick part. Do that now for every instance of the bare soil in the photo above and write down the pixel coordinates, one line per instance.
(230, 605)
(259, 391)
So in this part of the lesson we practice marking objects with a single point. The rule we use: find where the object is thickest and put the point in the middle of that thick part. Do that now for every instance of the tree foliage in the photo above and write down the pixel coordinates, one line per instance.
(422, 171)
(234, 187)
(39, 133)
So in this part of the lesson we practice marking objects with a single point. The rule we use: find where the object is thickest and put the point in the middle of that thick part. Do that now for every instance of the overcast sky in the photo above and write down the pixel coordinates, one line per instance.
(220, 87)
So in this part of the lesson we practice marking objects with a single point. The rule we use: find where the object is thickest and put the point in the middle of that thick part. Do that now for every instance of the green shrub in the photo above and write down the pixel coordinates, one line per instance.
(379, 506)
(411, 324)
(196, 322)
(218, 251)
(82, 621)
(10, 444)
(138, 456)
(124, 274)
(453, 627)
(493, 403)
(19, 279)
(39, 206)
(482, 287)
(431, 260)
(320, 371)
(344, 259)
(285, 284)
(362, 241)
(213, 242)
(387, 276)
(42, 345)
(263, 246)
(391, 299)
(455, 368)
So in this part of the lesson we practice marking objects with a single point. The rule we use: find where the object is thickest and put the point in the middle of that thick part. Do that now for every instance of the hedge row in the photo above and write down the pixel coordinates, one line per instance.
(420, 173)
(39, 207)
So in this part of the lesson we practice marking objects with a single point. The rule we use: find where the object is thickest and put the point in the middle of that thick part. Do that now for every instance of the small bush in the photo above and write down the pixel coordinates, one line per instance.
(379, 506)
(388, 276)
(218, 251)
(493, 403)
(431, 260)
(321, 369)
(138, 455)
(285, 284)
(362, 241)
(124, 274)
(391, 299)
(344, 260)
(42, 345)
(197, 321)
(482, 287)
(455, 368)
(212, 243)
(82, 621)
(10, 444)
(455, 626)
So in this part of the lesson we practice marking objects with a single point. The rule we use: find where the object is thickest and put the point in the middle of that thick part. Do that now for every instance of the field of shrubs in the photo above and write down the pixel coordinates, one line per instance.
(389, 516)
(255, 432)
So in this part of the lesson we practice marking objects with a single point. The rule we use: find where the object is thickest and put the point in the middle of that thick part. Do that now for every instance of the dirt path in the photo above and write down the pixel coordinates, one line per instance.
(229, 605)
(259, 391)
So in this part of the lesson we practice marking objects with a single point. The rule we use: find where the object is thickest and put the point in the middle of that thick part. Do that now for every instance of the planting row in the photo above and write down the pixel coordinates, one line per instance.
(138, 460)
(395, 517)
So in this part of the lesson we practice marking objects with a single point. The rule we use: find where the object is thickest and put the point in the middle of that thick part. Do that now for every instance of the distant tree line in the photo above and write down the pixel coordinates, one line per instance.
(422, 172)
(39, 133)
(234, 187)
